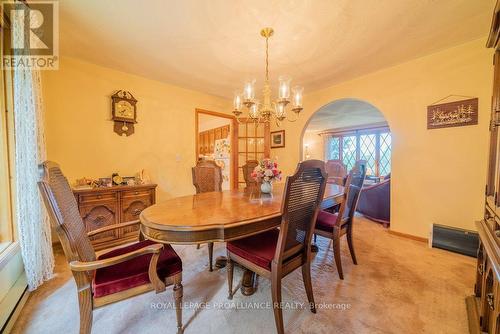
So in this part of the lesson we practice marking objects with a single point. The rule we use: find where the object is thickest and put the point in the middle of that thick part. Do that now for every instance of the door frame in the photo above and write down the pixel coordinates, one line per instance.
(234, 141)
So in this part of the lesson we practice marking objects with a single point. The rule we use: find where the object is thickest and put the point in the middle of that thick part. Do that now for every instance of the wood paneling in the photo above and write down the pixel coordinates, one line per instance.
(206, 139)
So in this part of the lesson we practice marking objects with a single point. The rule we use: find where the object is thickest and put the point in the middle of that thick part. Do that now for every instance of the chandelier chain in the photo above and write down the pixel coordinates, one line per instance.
(267, 59)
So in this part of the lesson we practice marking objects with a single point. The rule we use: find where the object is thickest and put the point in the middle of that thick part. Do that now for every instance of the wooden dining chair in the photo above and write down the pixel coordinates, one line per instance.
(276, 253)
(335, 225)
(207, 177)
(336, 171)
(248, 168)
(114, 275)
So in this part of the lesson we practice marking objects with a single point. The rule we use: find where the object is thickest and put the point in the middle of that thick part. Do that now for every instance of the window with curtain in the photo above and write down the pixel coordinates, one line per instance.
(7, 234)
(22, 131)
(371, 145)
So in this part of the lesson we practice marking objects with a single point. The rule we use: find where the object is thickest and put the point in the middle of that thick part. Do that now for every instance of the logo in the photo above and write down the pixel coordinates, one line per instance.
(31, 35)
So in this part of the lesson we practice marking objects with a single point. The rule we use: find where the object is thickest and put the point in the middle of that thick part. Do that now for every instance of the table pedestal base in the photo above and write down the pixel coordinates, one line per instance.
(220, 262)
(247, 283)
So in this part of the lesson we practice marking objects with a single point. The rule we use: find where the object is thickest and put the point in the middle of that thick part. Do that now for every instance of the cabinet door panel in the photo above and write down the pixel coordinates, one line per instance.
(97, 216)
(131, 209)
(225, 131)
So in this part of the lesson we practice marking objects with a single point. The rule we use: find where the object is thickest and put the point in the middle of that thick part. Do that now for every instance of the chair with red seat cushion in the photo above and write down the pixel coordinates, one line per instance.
(276, 253)
(116, 275)
(335, 225)
(134, 272)
(326, 220)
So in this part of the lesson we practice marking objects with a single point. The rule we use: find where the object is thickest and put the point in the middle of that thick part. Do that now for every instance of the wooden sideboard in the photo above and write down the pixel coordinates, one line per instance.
(483, 308)
(102, 207)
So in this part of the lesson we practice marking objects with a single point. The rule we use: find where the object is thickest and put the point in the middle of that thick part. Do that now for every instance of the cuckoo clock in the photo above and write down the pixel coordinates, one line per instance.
(124, 112)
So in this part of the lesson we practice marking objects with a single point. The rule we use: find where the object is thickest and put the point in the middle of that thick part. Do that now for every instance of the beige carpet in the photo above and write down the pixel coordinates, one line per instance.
(399, 286)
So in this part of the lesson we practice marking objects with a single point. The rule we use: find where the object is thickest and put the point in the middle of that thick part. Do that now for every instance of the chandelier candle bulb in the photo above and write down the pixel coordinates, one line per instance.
(280, 111)
(237, 102)
(284, 90)
(297, 97)
(249, 90)
(254, 111)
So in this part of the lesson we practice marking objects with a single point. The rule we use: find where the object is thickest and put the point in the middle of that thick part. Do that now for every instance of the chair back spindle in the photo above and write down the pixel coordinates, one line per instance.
(353, 187)
(63, 211)
(248, 168)
(302, 198)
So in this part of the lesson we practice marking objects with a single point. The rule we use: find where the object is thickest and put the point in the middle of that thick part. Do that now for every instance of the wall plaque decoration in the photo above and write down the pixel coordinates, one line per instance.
(123, 112)
(458, 113)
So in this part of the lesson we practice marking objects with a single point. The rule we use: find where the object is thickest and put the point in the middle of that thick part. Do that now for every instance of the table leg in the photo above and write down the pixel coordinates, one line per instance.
(314, 247)
(248, 283)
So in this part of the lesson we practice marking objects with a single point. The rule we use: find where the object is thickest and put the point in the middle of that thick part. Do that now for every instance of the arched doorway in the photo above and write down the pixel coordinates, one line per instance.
(344, 131)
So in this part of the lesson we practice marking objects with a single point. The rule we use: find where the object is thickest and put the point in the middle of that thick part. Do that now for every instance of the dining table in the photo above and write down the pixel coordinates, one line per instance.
(220, 217)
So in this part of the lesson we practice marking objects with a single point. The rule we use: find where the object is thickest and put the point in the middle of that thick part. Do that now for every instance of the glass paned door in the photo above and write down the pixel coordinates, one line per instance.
(253, 144)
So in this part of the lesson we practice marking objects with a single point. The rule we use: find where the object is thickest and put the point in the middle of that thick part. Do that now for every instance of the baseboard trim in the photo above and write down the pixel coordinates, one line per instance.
(16, 312)
(409, 236)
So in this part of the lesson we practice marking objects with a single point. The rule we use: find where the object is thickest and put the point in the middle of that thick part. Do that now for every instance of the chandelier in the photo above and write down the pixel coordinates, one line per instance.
(264, 111)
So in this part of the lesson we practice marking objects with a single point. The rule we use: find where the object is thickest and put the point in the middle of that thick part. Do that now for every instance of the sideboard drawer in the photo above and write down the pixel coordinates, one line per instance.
(136, 193)
(100, 196)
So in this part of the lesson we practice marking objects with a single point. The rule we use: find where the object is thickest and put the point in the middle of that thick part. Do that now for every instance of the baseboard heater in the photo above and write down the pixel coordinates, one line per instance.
(456, 240)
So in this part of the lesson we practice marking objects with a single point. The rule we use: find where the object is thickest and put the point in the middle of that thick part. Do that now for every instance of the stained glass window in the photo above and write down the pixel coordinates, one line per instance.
(349, 145)
(334, 148)
(373, 146)
(367, 152)
(385, 154)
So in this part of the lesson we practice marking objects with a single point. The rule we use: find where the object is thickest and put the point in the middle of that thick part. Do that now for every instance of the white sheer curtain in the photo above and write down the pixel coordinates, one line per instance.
(32, 220)
(327, 138)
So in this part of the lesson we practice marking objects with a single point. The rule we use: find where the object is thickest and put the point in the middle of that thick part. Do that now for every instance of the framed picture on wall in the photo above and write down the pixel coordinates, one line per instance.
(278, 139)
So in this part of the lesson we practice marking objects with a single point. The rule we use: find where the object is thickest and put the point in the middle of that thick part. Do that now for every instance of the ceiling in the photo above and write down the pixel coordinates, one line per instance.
(344, 113)
(214, 45)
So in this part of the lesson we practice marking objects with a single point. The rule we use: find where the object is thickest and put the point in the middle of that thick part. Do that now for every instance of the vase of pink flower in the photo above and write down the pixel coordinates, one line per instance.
(265, 173)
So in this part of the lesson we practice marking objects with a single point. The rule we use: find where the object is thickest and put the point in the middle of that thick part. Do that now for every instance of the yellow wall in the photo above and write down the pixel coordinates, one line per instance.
(80, 134)
(315, 146)
(438, 176)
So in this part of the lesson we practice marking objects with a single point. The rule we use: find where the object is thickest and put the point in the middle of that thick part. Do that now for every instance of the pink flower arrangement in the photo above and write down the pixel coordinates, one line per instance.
(266, 171)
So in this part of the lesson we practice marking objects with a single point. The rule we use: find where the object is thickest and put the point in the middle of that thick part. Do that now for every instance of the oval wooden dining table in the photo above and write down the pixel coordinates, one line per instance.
(221, 216)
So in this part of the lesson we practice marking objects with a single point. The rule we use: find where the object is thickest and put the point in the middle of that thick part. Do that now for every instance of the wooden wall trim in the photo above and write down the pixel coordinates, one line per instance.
(409, 236)
(234, 141)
